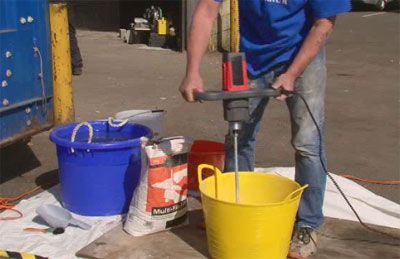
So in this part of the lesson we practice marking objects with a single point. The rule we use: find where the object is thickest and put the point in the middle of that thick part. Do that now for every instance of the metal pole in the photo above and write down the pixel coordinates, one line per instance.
(62, 73)
(235, 140)
(235, 45)
(235, 37)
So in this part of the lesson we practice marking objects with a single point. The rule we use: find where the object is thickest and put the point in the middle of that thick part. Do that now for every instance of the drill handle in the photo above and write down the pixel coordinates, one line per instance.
(232, 95)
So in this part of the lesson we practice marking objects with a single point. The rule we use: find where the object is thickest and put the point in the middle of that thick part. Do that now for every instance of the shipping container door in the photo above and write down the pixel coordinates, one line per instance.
(25, 69)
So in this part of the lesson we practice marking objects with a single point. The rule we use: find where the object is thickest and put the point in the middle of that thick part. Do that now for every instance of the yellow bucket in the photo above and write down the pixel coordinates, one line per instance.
(261, 225)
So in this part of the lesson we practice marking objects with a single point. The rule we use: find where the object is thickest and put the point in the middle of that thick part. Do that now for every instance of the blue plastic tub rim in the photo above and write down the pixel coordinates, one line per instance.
(54, 137)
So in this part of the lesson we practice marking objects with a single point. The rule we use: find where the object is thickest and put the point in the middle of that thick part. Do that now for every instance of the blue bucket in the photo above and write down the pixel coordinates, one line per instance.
(99, 178)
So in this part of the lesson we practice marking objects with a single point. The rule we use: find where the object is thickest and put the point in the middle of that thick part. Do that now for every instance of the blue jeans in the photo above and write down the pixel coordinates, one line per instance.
(305, 139)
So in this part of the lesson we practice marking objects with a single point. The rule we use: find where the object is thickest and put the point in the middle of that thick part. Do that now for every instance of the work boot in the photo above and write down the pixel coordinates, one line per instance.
(76, 71)
(304, 243)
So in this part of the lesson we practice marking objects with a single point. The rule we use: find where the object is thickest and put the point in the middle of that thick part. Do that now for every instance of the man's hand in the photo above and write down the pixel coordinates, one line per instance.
(284, 82)
(200, 31)
(190, 85)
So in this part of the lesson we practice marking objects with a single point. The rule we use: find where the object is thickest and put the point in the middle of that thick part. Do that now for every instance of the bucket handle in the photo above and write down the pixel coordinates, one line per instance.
(290, 196)
(217, 174)
(117, 125)
(75, 131)
(145, 112)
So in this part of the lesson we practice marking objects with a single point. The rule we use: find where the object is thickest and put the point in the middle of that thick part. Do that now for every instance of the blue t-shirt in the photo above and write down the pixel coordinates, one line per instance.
(272, 31)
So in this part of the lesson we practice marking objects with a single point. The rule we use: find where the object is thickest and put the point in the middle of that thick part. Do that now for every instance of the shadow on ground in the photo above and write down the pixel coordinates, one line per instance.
(48, 179)
(347, 239)
(193, 234)
(16, 160)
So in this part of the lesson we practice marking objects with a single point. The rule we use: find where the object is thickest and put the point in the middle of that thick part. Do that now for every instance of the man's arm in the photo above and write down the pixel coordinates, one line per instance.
(314, 42)
(200, 31)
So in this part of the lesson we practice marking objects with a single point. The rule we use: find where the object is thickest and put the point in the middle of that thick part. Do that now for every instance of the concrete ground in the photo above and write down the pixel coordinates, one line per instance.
(362, 135)
(190, 241)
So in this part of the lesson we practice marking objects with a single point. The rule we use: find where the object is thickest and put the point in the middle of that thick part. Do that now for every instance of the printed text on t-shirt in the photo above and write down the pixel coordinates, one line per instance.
(284, 2)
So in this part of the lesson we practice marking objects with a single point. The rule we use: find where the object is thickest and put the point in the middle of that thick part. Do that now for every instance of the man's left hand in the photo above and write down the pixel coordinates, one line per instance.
(284, 82)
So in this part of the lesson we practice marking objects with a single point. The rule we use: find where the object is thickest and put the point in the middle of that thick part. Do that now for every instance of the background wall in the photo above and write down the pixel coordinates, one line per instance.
(99, 15)
(110, 15)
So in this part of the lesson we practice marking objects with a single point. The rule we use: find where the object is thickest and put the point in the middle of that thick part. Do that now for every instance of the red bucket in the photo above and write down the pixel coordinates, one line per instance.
(204, 152)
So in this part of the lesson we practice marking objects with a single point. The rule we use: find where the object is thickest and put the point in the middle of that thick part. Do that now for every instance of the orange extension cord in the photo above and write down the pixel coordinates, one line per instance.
(369, 181)
(5, 203)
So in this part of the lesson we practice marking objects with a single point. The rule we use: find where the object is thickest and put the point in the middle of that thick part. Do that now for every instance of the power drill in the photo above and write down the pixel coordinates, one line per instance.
(235, 95)
(235, 79)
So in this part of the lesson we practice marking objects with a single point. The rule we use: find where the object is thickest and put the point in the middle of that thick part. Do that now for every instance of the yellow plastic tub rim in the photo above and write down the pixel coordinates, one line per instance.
(260, 225)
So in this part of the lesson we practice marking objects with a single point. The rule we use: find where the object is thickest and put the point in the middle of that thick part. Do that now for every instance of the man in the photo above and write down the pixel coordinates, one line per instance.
(284, 42)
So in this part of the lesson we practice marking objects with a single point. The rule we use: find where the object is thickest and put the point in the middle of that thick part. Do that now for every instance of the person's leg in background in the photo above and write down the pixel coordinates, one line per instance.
(305, 140)
(76, 58)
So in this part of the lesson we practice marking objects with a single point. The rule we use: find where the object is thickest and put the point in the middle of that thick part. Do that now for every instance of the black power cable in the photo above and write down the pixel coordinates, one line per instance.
(326, 170)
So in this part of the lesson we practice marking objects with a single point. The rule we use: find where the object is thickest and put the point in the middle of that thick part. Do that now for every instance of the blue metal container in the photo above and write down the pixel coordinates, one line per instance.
(25, 69)
(98, 179)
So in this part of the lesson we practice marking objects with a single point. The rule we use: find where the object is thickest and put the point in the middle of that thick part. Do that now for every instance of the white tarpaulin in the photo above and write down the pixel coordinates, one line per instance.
(14, 238)
(371, 207)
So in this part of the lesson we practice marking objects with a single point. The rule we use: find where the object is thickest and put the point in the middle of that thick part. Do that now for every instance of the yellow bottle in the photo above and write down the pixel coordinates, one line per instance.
(162, 26)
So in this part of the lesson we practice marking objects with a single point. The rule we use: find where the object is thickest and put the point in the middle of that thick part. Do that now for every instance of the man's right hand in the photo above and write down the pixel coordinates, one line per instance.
(190, 85)
(202, 23)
